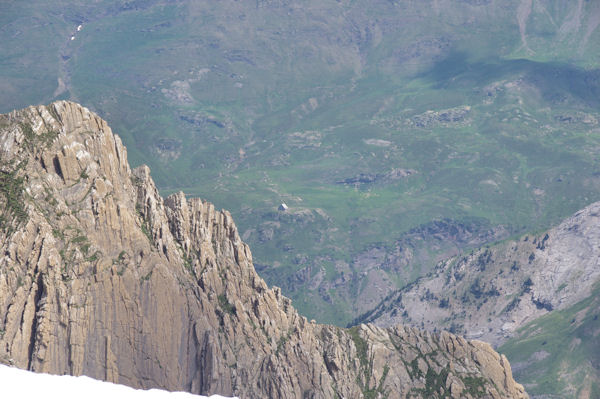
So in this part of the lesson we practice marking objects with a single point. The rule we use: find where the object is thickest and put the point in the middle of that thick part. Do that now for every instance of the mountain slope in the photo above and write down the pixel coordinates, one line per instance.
(522, 294)
(100, 276)
(492, 291)
(557, 354)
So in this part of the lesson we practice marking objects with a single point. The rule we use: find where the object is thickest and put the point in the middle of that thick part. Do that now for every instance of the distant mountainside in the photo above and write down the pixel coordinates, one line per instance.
(101, 276)
(399, 132)
(537, 296)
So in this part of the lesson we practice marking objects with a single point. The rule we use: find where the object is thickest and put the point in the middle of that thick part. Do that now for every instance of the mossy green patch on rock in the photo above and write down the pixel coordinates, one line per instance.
(35, 142)
(225, 305)
(12, 206)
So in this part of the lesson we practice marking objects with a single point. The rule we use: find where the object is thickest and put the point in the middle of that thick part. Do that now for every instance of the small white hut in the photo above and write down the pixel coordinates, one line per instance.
(283, 207)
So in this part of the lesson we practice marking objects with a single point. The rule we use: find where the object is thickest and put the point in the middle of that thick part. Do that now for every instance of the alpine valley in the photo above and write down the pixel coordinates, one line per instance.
(399, 133)
(420, 178)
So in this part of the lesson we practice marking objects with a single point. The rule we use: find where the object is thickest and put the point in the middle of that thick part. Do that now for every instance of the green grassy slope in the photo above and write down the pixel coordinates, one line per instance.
(325, 105)
(557, 355)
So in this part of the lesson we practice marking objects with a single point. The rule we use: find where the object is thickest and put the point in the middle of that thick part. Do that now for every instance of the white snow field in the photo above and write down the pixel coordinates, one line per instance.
(22, 384)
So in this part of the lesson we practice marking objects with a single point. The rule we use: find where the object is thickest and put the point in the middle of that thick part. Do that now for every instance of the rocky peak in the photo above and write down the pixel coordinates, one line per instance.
(100, 276)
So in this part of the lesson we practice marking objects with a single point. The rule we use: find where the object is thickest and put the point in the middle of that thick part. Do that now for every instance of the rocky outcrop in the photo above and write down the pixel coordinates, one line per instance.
(491, 292)
(100, 276)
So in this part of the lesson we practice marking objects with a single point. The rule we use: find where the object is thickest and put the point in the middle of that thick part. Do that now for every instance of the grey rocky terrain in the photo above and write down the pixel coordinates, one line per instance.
(491, 292)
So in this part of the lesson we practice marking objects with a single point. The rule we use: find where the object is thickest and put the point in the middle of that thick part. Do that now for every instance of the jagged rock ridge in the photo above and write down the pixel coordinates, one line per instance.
(101, 276)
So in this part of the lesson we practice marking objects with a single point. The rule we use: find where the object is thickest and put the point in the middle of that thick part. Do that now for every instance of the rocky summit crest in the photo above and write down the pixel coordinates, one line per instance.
(101, 276)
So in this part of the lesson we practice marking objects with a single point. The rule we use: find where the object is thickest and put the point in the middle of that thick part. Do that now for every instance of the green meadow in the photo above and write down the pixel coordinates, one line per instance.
(372, 126)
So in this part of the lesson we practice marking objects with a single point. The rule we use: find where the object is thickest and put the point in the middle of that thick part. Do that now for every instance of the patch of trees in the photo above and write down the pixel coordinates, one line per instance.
(484, 259)
(542, 304)
(542, 244)
(478, 290)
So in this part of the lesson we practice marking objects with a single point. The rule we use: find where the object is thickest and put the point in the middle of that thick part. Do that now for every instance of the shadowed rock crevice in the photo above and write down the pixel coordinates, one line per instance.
(57, 167)
(39, 287)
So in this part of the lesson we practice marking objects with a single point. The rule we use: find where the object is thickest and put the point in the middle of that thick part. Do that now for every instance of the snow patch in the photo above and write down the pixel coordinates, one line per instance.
(17, 383)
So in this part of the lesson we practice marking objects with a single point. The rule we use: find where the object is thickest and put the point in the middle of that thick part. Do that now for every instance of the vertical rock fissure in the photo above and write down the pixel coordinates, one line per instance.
(34, 325)
(57, 167)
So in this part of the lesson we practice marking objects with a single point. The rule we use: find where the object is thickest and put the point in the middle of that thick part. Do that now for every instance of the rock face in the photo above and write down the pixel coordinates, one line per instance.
(100, 276)
(491, 292)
